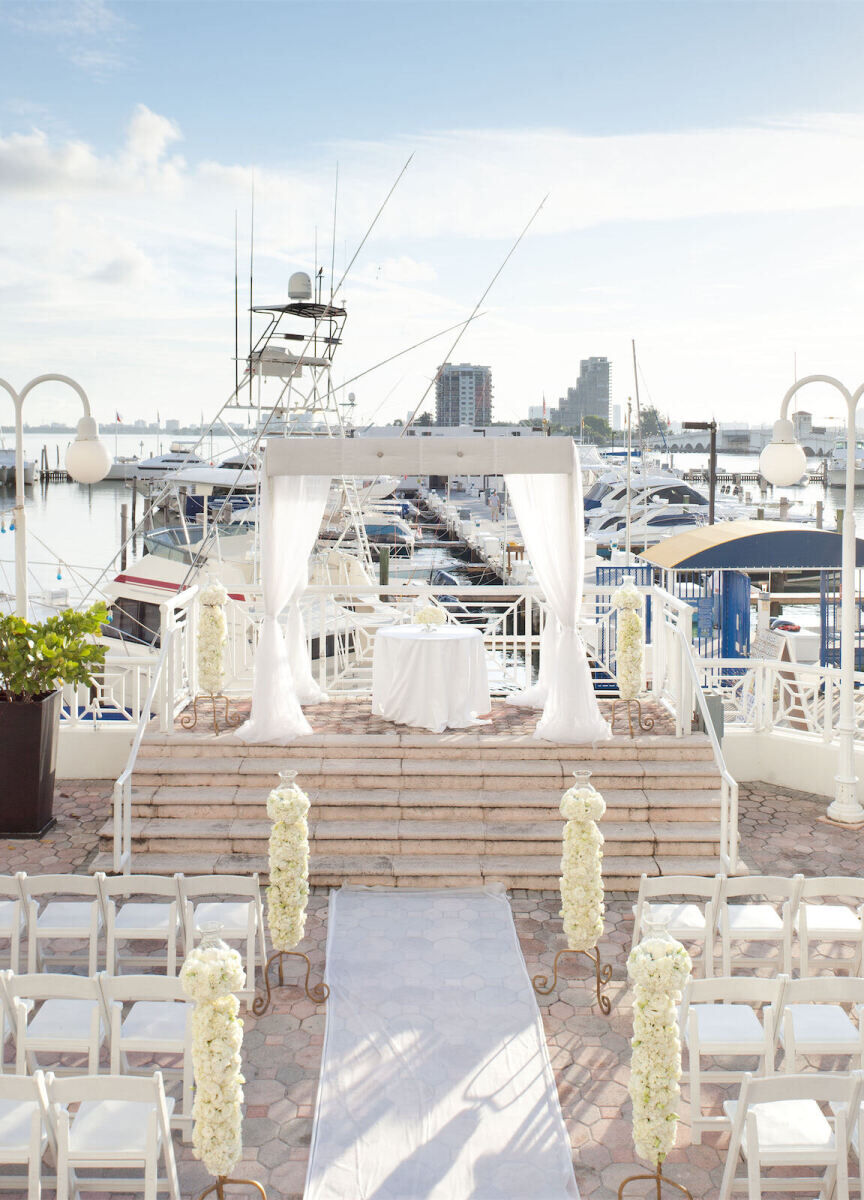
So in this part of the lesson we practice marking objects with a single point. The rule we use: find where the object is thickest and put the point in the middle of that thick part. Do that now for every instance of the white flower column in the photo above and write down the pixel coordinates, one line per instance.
(630, 651)
(211, 975)
(582, 896)
(288, 891)
(210, 655)
(659, 968)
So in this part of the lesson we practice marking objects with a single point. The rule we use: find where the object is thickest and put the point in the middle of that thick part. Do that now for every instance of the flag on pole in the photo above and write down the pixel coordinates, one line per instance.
(119, 418)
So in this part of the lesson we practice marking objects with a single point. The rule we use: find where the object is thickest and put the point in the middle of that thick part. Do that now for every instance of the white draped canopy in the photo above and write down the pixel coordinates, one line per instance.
(545, 486)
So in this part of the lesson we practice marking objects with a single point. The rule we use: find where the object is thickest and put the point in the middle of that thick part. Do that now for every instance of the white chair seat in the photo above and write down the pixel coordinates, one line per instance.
(143, 918)
(111, 1128)
(156, 1019)
(821, 1023)
(830, 918)
(233, 916)
(786, 1126)
(15, 1120)
(681, 917)
(753, 919)
(735, 1024)
(7, 918)
(62, 1020)
(68, 917)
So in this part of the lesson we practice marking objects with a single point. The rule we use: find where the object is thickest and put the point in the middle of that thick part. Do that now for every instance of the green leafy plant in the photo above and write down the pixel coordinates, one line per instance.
(39, 657)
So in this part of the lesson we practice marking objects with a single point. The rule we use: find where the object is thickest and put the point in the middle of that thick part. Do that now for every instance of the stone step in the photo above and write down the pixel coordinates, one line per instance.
(534, 872)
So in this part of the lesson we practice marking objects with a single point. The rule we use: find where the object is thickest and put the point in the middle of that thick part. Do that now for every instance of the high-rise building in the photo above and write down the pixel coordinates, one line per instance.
(590, 396)
(463, 395)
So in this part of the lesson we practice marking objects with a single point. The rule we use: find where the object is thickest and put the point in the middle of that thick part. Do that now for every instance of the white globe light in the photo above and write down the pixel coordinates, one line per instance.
(783, 461)
(87, 459)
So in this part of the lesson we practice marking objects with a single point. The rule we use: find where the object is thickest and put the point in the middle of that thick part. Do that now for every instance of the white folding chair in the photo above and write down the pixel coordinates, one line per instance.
(23, 1136)
(151, 1015)
(238, 914)
(141, 919)
(814, 1021)
(820, 920)
(55, 1014)
(718, 1018)
(685, 906)
(779, 1121)
(758, 908)
(121, 1122)
(13, 918)
(61, 918)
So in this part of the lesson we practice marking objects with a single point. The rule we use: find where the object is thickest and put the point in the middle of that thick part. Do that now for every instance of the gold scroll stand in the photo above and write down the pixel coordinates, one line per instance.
(643, 723)
(223, 1181)
(602, 975)
(190, 720)
(659, 1178)
(317, 994)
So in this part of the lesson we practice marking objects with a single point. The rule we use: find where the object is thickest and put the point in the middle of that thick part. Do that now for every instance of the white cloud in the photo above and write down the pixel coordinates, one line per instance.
(90, 33)
(721, 251)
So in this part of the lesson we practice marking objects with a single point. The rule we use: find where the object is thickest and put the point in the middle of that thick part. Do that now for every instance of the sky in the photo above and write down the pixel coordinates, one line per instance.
(702, 166)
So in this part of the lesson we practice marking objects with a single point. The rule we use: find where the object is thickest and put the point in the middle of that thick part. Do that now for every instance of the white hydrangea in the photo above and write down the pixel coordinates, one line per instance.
(659, 968)
(288, 893)
(582, 905)
(212, 637)
(210, 974)
(629, 649)
(431, 614)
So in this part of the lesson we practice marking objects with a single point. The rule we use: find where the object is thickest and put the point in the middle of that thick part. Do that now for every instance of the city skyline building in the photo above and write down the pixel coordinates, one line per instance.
(590, 396)
(463, 395)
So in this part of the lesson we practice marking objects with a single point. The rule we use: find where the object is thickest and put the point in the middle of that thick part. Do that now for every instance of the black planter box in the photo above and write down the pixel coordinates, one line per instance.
(28, 760)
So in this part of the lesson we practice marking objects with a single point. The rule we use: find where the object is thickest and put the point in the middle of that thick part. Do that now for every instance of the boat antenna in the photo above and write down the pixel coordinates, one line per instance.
(638, 412)
(251, 277)
(627, 541)
(333, 243)
(236, 313)
(474, 312)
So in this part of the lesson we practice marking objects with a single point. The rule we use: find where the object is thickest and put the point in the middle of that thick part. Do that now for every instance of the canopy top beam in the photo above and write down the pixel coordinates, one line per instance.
(419, 456)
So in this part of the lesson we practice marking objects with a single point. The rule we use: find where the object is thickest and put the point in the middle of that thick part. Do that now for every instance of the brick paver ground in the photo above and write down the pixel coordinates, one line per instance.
(782, 832)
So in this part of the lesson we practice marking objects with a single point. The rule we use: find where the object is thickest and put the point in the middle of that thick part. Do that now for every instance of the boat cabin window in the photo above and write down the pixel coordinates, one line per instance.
(135, 621)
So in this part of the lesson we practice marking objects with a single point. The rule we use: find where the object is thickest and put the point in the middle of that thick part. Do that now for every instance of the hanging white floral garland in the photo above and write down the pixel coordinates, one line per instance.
(582, 906)
(288, 892)
(659, 968)
(629, 650)
(212, 637)
(210, 976)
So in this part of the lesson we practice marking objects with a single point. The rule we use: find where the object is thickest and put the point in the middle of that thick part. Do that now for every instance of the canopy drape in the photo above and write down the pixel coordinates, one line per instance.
(548, 508)
(292, 507)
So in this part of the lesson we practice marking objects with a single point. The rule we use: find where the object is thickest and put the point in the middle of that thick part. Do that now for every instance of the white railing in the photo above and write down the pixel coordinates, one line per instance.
(764, 694)
(171, 687)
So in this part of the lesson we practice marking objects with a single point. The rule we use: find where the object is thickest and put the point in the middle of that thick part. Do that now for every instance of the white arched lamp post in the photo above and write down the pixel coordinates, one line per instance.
(87, 461)
(783, 462)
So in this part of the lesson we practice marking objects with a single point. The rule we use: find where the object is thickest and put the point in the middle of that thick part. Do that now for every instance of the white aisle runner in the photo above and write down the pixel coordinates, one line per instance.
(435, 1081)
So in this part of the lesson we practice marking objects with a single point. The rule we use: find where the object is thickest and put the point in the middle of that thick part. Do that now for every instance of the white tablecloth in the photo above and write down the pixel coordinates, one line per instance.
(435, 680)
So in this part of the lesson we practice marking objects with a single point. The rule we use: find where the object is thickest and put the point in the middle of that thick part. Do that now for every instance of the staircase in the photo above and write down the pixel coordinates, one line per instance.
(415, 810)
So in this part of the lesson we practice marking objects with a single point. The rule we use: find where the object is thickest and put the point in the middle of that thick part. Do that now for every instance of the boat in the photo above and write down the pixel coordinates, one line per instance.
(123, 467)
(837, 461)
(180, 455)
(7, 468)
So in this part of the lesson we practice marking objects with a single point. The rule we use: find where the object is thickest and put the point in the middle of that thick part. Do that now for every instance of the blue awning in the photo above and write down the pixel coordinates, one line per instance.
(752, 546)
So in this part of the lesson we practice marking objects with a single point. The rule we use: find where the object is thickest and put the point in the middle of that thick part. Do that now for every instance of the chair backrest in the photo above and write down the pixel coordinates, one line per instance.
(61, 885)
(20, 1087)
(127, 989)
(124, 887)
(51, 987)
(768, 887)
(826, 989)
(751, 990)
(822, 1086)
(10, 886)
(73, 1089)
(680, 885)
(833, 887)
(219, 887)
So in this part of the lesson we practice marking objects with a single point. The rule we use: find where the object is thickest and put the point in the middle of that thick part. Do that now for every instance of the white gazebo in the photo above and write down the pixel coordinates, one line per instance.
(543, 479)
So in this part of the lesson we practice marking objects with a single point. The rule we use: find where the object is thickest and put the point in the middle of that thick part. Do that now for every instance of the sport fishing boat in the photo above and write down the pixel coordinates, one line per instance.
(838, 460)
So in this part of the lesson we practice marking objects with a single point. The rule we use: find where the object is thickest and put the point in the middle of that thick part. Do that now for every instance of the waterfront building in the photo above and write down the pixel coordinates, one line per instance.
(463, 395)
(589, 398)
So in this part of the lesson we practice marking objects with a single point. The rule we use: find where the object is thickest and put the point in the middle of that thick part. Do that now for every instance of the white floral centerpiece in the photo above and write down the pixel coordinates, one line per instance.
(659, 968)
(630, 650)
(212, 637)
(582, 906)
(430, 615)
(288, 892)
(210, 976)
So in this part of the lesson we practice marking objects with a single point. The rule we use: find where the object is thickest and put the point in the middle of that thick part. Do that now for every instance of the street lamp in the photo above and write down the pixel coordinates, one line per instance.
(87, 461)
(783, 462)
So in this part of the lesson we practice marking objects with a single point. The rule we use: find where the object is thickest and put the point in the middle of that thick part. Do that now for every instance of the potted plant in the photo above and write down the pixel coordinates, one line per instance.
(36, 660)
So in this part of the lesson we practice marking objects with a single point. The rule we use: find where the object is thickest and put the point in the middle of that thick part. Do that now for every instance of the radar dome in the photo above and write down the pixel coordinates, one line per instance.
(300, 286)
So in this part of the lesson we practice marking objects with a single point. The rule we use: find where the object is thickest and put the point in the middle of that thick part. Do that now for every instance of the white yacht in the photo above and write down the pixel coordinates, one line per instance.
(7, 467)
(179, 455)
(837, 461)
